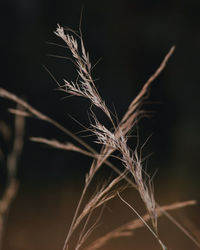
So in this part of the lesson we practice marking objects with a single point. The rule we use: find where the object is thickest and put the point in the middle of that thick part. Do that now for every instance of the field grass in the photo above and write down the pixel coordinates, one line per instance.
(129, 190)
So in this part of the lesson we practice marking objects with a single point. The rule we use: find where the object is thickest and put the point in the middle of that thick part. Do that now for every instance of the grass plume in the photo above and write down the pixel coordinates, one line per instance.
(113, 139)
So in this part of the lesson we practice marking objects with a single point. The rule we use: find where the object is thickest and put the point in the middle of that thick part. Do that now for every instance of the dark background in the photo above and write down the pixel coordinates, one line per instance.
(131, 37)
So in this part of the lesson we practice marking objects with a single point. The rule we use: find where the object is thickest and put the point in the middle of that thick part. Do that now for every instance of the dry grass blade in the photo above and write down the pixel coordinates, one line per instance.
(30, 111)
(155, 234)
(128, 228)
(5, 203)
(64, 146)
(132, 114)
(12, 184)
(190, 225)
(85, 234)
(19, 112)
(181, 227)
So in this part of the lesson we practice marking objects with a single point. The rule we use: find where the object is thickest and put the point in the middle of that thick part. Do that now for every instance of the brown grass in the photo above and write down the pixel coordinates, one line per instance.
(114, 139)
(11, 182)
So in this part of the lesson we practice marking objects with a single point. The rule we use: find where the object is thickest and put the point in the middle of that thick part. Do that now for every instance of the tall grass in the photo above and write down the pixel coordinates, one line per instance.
(12, 183)
(115, 138)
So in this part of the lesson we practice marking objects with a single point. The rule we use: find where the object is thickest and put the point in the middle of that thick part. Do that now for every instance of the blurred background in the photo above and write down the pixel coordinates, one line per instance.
(131, 38)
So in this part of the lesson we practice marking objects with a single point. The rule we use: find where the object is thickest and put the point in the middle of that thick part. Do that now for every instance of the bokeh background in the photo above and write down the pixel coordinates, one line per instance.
(131, 38)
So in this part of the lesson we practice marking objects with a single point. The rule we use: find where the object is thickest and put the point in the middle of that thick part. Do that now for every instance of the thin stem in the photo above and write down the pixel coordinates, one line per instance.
(135, 211)
(71, 230)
